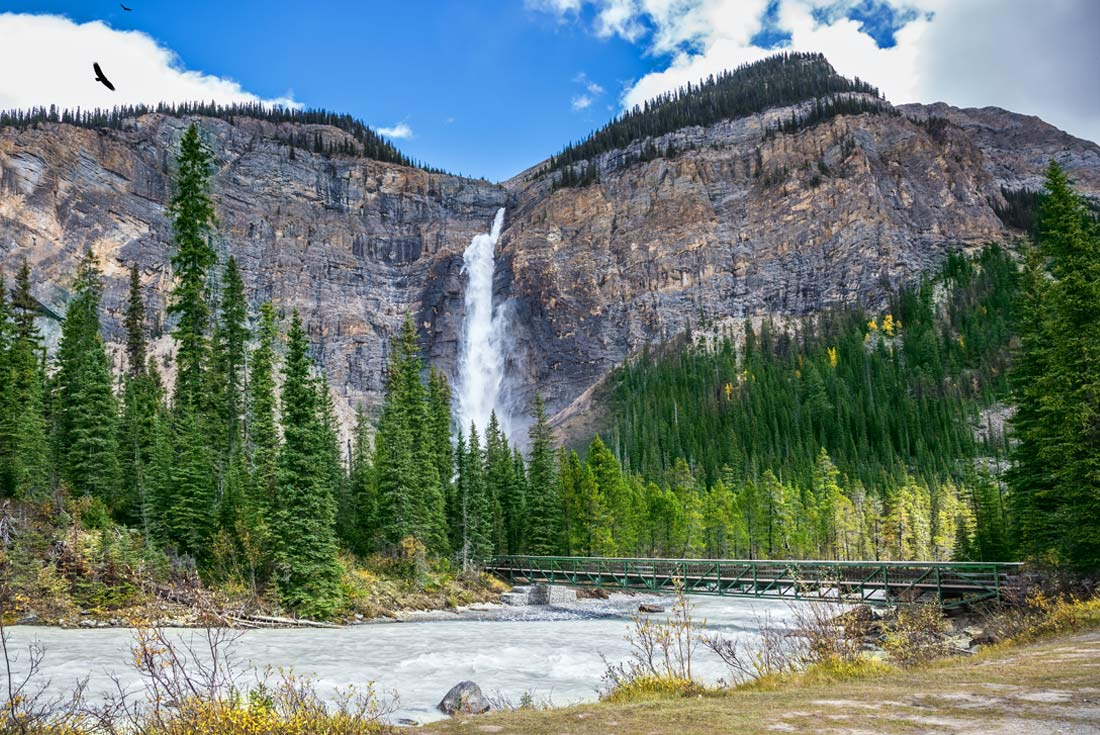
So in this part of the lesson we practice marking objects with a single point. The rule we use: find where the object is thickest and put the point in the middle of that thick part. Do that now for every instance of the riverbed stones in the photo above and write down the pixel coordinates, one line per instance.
(464, 698)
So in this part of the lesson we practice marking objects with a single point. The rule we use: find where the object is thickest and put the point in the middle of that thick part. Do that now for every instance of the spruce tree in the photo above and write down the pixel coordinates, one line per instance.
(192, 227)
(141, 422)
(87, 411)
(193, 510)
(232, 346)
(543, 502)
(411, 501)
(615, 524)
(28, 468)
(262, 432)
(361, 489)
(477, 541)
(500, 479)
(229, 347)
(136, 344)
(303, 521)
(1056, 477)
(439, 438)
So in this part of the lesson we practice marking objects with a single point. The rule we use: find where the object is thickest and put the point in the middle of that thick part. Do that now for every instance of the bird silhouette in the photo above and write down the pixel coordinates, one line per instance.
(99, 77)
(124, 7)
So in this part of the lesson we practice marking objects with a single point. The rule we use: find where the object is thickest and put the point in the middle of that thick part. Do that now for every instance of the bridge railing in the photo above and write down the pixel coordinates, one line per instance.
(873, 582)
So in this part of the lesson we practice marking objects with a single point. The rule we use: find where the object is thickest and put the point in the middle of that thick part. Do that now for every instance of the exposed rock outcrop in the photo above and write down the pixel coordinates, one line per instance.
(351, 243)
(736, 225)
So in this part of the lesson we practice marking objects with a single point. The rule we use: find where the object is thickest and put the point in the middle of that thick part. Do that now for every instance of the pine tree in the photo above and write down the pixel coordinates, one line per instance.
(87, 411)
(438, 438)
(501, 481)
(304, 515)
(262, 432)
(229, 349)
(192, 226)
(476, 537)
(136, 345)
(192, 514)
(616, 526)
(543, 501)
(1056, 475)
(27, 467)
(361, 488)
(410, 496)
(142, 420)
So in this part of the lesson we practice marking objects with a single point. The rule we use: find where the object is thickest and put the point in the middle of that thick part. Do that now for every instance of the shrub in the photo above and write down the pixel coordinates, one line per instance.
(189, 690)
(917, 635)
(1043, 615)
(660, 659)
(818, 634)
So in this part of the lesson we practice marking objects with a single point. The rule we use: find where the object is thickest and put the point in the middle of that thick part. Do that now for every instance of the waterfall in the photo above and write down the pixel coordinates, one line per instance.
(484, 338)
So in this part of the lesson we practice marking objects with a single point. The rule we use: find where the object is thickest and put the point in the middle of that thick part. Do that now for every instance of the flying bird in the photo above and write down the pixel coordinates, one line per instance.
(100, 78)
(124, 7)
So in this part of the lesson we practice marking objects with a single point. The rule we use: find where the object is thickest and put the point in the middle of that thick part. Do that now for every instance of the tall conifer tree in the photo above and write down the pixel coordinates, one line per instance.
(304, 515)
(87, 411)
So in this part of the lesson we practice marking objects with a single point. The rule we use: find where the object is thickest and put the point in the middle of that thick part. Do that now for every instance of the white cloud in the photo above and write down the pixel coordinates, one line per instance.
(1030, 56)
(592, 91)
(398, 131)
(48, 61)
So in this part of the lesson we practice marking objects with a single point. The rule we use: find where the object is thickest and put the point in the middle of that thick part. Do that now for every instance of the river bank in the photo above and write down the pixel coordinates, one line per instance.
(1052, 686)
(551, 654)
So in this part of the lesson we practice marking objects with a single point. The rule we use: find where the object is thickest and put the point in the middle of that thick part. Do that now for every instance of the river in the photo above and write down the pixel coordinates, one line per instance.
(552, 652)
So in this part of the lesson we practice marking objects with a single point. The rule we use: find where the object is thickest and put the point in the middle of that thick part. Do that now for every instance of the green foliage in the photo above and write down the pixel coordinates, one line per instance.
(303, 516)
(1055, 477)
(229, 349)
(543, 503)
(778, 81)
(87, 413)
(24, 448)
(262, 432)
(475, 531)
(192, 227)
(365, 142)
(410, 493)
(884, 400)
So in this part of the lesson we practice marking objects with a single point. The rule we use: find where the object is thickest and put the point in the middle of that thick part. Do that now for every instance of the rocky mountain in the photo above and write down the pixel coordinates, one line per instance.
(697, 226)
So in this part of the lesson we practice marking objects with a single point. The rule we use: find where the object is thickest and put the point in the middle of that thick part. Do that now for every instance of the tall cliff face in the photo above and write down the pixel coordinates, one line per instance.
(736, 225)
(351, 243)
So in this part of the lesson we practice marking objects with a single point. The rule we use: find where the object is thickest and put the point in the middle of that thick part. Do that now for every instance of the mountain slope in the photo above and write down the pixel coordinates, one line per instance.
(740, 219)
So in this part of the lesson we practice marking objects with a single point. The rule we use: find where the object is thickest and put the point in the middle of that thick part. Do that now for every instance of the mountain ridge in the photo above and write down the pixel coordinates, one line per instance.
(736, 223)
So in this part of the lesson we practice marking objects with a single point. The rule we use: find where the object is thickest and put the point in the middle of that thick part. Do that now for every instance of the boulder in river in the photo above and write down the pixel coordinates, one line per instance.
(465, 698)
(647, 607)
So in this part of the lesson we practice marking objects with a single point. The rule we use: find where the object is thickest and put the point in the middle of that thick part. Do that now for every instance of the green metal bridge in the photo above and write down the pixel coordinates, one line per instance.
(951, 584)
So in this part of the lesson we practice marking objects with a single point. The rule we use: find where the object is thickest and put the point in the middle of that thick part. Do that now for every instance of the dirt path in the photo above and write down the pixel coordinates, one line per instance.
(1051, 688)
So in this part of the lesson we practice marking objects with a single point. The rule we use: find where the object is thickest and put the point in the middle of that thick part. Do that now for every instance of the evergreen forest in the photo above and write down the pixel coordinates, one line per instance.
(858, 434)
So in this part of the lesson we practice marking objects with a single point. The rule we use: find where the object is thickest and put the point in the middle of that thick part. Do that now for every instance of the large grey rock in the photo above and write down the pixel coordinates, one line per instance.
(465, 698)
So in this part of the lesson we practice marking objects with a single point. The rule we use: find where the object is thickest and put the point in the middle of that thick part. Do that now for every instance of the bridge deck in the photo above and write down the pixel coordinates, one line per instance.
(871, 582)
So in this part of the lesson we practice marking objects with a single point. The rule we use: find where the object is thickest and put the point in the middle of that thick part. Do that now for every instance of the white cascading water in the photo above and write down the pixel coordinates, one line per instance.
(484, 337)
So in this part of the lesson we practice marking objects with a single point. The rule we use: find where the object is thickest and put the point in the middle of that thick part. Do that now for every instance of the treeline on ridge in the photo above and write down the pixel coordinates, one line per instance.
(368, 143)
(778, 81)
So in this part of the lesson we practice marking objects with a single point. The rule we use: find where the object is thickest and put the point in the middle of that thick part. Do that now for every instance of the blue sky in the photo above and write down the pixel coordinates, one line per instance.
(489, 87)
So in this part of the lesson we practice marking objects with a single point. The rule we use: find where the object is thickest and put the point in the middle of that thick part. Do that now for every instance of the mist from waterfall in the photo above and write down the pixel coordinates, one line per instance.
(485, 339)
